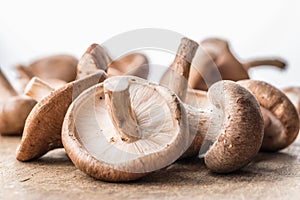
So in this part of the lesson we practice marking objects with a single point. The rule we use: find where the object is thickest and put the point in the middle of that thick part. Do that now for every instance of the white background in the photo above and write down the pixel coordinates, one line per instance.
(31, 29)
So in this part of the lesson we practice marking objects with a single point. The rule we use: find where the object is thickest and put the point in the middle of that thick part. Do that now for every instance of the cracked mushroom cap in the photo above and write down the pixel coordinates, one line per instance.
(42, 131)
(281, 119)
(124, 128)
(236, 125)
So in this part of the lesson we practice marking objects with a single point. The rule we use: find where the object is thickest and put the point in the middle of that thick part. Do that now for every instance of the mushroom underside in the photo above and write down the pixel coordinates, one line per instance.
(88, 126)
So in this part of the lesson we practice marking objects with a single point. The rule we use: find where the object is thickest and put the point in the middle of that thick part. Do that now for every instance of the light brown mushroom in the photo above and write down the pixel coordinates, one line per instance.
(293, 93)
(42, 131)
(62, 67)
(124, 128)
(96, 57)
(216, 58)
(281, 120)
(14, 108)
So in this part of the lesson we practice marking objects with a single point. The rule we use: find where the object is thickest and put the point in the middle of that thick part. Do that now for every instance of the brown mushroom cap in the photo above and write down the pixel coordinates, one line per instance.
(42, 131)
(153, 135)
(239, 124)
(63, 67)
(229, 67)
(293, 93)
(13, 113)
(282, 127)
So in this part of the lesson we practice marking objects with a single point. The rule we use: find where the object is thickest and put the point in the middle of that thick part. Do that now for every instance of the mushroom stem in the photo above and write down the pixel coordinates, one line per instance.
(116, 92)
(6, 88)
(180, 69)
(37, 89)
(270, 62)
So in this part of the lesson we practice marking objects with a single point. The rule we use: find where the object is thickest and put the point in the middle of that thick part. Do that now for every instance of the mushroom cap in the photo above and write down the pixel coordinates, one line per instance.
(132, 64)
(293, 93)
(282, 113)
(13, 113)
(63, 67)
(94, 146)
(239, 127)
(42, 131)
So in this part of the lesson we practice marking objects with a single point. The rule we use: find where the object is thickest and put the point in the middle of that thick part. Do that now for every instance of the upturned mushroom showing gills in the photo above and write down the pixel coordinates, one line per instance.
(281, 120)
(124, 129)
(14, 109)
(96, 57)
(215, 59)
(229, 130)
(42, 131)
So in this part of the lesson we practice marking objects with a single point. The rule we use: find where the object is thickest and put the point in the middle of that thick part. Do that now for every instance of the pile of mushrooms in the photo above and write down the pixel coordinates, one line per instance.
(116, 126)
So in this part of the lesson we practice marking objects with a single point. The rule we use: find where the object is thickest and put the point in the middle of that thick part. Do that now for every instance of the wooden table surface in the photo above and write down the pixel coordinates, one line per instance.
(269, 176)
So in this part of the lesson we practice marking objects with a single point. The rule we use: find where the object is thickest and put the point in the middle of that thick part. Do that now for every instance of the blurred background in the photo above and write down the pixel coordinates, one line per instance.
(33, 29)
